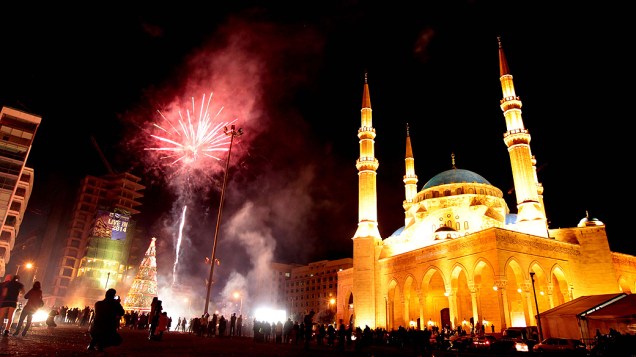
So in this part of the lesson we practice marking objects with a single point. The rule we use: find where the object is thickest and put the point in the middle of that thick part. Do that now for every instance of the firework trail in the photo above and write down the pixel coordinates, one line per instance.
(178, 246)
(183, 140)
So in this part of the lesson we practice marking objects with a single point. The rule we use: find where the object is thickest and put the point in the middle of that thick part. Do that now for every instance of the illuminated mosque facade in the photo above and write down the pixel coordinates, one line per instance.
(461, 254)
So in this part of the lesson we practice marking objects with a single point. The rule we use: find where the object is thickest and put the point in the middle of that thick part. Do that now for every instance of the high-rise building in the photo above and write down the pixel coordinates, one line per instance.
(100, 234)
(462, 255)
(17, 131)
(276, 293)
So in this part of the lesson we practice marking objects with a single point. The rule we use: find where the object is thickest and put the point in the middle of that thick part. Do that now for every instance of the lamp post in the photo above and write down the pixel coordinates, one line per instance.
(536, 303)
(28, 266)
(386, 312)
(237, 295)
(232, 132)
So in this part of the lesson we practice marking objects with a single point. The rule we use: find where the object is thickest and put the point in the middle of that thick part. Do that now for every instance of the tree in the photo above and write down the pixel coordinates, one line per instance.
(144, 287)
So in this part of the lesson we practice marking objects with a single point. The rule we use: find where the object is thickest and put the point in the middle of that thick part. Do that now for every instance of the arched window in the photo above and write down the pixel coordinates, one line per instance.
(458, 226)
(460, 190)
(471, 190)
(447, 193)
(466, 225)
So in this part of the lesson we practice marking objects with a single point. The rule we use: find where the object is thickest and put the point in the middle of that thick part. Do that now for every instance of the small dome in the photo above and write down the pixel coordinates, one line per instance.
(455, 176)
(445, 229)
(587, 221)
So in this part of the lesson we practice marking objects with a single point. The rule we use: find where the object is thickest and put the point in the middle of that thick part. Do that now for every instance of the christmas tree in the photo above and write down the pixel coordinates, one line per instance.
(144, 287)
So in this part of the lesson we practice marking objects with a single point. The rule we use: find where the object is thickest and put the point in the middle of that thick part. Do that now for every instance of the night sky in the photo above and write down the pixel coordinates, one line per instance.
(293, 76)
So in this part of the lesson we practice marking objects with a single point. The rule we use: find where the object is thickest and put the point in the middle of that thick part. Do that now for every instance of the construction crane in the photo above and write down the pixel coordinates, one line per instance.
(102, 156)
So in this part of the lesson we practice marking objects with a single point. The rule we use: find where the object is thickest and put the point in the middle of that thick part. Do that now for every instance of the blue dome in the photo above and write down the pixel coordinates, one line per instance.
(397, 232)
(455, 176)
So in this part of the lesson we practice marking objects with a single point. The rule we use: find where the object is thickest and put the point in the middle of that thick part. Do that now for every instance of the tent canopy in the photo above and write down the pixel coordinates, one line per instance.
(580, 305)
(582, 316)
(624, 308)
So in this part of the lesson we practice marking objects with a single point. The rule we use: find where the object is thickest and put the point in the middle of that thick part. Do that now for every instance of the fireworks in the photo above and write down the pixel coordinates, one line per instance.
(188, 139)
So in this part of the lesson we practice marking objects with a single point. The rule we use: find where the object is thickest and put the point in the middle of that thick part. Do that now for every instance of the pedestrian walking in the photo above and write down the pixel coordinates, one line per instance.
(34, 302)
(12, 288)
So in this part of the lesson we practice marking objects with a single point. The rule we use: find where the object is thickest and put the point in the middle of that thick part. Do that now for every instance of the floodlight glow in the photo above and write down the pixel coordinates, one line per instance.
(40, 316)
(270, 315)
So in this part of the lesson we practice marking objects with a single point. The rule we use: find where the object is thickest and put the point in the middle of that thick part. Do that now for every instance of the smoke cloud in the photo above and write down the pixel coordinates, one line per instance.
(273, 199)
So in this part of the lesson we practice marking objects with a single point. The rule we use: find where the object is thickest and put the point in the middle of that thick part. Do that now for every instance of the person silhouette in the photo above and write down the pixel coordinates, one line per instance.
(11, 289)
(34, 302)
(309, 325)
(103, 330)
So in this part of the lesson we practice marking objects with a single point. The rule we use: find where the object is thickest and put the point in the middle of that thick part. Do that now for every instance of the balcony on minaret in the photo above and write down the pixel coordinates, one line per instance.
(516, 136)
(367, 163)
(516, 131)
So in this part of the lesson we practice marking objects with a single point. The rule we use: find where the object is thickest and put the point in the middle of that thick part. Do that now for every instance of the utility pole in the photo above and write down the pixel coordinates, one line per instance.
(232, 133)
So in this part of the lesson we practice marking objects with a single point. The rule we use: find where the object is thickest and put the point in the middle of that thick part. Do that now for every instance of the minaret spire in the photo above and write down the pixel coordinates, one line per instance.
(410, 178)
(503, 64)
(531, 216)
(453, 160)
(367, 166)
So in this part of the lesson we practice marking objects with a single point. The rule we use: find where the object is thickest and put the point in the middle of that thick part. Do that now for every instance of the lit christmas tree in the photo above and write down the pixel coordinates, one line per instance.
(144, 287)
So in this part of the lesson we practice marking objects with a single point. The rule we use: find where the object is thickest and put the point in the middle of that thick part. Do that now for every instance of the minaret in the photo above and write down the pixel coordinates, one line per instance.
(410, 178)
(531, 216)
(366, 241)
(367, 166)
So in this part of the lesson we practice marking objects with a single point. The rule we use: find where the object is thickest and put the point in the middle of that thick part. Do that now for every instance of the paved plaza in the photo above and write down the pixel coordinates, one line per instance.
(71, 340)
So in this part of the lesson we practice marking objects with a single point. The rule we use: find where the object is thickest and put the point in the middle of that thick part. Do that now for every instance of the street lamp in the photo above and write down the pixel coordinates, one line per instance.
(232, 133)
(537, 305)
(28, 266)
(330, 303)
(237, 295)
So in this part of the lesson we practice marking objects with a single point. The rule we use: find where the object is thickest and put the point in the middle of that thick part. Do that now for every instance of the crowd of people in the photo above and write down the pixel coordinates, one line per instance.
(107, 317)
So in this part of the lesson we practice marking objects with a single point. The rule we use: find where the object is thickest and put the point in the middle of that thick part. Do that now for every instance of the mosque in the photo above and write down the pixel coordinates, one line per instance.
(462, 257)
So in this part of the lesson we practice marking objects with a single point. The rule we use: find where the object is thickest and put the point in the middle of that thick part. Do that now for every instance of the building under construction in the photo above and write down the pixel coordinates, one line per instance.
(101, 231)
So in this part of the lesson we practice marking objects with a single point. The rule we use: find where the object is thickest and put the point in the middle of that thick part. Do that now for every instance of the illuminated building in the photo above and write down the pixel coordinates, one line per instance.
(461, 253)
(17, 131)
(311, 287)
(276, 294)
(101, 230)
